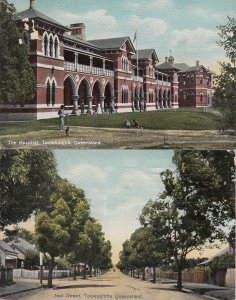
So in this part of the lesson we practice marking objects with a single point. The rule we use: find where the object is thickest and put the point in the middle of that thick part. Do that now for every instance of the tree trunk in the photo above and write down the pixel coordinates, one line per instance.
(138, 273)
(85, 277)
(74, 275)
(154, 275)
(51, 264)
(179, 282)
(144, 274)
(90, 271)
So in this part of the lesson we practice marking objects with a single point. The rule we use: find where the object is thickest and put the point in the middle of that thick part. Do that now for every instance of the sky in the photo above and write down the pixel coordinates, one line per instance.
(187, 27)
(118, 183)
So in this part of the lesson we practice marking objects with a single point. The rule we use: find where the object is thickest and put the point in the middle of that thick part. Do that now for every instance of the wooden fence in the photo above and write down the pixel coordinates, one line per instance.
(191, 276)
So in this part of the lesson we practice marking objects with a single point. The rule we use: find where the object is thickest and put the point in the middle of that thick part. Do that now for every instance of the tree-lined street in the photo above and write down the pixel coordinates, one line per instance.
(112, 285)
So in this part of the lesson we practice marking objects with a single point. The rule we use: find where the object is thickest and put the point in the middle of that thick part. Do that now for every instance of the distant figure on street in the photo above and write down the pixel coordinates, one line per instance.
(137, 125)
(61, 114)
(127, 123)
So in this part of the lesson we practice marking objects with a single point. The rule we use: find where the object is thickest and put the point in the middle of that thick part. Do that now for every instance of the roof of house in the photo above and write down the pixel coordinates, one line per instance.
(182, 66)
(145, 54)
(228, 249)
(112, 43)
(167, 66)
(6, 248)
(22, 245)
(35, 14)
(77, 39)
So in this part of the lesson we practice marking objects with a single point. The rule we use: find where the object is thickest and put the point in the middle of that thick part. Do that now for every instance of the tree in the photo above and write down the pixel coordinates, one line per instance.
(51, 233)
(197, 201)
(209, 176)
(26, 180)
(17, 82)
(224, 97)
(80, 212)
(31, 259)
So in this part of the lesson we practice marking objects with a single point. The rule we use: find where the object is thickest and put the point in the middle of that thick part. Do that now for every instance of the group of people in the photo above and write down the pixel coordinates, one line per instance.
(135, 124)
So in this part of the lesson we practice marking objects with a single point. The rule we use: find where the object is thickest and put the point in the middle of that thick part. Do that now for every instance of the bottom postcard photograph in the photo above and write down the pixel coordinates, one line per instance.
(117, 224)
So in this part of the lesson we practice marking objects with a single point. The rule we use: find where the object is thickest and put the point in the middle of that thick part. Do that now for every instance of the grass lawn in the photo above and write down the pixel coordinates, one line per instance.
(181, 119)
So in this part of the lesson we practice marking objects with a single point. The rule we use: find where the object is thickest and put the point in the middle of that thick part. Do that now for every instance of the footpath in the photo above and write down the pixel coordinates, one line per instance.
(209, 291)
(19, 287)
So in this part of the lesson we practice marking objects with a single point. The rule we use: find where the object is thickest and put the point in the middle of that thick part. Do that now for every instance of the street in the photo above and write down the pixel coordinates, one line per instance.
(112, 285)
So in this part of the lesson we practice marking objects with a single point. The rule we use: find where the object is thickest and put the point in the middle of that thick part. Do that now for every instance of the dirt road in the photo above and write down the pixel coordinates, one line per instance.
(112, 285)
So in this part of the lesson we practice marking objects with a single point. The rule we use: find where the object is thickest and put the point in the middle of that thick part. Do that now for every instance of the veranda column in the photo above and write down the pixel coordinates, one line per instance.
(101, 100)
(91, 63)
(104, 66)
(76, 61)
(75, 104)
(90, 105)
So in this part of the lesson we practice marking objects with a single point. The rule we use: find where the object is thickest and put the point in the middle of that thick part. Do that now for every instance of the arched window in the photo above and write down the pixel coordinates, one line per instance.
(201, 80)
(53, 93)
(56, 45)
(201, 97)
(48, 93)
(45, 41)
(51, 43)
(151, 96)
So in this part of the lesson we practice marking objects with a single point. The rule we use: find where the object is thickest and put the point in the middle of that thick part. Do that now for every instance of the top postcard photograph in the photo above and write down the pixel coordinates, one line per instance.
(117, 74)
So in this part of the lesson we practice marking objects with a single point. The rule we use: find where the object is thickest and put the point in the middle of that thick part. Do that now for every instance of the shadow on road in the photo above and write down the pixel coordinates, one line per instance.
(82, 286)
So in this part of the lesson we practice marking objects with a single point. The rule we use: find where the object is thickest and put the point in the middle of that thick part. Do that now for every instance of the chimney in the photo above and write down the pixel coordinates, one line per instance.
(78, 30)
(32, 4)
(166, 59)
(197, 63)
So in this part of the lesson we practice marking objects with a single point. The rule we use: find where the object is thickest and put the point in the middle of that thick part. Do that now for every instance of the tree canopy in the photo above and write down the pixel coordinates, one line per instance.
(27, 179)
(224, 97)
(17, 82)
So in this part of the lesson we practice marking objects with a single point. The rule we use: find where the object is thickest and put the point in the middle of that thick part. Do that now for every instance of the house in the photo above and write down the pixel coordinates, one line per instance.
(20, 246)
(194, 83)
(8, 257)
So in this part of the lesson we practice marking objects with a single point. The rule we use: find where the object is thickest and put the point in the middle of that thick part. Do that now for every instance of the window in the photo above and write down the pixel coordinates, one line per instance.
(151, 94)
(151, 71)
(45, 42)
(56, 45)
(48, 93)
(125, 64)
(201, 79)
(125, 94)
(53, 93)
(51, 43)
(201, 97)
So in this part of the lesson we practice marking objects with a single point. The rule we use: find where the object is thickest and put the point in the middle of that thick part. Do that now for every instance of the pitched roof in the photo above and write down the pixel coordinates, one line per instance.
(194, 68)
(77, 39)
(228, 250)
(167, 66)
(112, 43)
(182, 66)
(6, 248)
(22, 245)
(34, 14)
(145, 54)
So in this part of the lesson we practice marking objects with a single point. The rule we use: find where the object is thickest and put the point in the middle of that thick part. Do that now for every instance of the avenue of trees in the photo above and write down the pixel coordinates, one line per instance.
(17, 81)
(224, 98)
(195, 206)
(64, 227)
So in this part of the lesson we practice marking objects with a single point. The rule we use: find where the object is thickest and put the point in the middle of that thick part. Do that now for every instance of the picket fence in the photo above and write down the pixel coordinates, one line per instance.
(22, 273)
